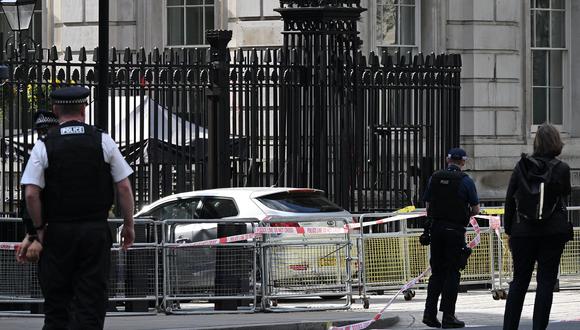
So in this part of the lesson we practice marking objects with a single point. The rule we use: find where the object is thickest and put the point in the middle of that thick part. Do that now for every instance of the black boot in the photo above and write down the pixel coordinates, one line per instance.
(450, 321)
(431, 320)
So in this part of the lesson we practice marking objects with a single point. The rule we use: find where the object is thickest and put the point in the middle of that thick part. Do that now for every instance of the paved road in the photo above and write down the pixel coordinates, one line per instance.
(479, 310)
(476, 308)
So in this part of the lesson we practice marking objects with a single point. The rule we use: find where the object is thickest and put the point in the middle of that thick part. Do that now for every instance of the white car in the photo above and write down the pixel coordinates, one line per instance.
(194, 273)
(256, 203)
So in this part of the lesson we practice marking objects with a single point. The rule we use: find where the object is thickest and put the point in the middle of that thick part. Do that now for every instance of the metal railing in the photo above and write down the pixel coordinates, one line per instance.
(183, 267)
(367, 129)
(197, 274)
(304, 264)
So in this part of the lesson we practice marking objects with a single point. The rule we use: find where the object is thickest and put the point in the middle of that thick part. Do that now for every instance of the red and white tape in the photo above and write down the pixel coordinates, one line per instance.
(494, 223)
(477, 239)
(394, 218)
(365, 324)
(301, 230)
(218, 241)
(265, 230)
(9, 246)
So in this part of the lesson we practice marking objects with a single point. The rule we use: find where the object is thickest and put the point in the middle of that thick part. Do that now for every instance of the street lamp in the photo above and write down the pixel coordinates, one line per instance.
(18, 14)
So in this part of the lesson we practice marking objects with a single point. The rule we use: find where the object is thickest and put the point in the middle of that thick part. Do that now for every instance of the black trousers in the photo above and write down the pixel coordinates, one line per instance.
(74, 273)
(526, 251)
(446, 250)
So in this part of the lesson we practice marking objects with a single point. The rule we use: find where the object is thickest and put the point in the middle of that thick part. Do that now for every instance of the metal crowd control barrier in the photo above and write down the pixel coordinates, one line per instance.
(19, 287)
(569, 274)
(134, 282)
(479, 268)
(198, 269)
(300, 262)
(500, 257)
(133, 276)
(391, 257)
(570, 262)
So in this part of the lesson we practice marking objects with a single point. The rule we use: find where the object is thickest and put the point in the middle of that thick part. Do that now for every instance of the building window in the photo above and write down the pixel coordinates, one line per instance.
(33, 34)
(396, 25)
(187, 21)
(548, 48)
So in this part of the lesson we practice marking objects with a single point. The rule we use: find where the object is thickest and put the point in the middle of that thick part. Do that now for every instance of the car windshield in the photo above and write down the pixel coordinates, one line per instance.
(299, 202)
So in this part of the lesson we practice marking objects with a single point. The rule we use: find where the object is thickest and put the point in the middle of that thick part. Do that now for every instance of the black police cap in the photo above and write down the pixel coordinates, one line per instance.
(70, 95)
(457, 153)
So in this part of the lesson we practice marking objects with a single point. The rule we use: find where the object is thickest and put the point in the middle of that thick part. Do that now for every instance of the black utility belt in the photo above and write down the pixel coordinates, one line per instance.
(450, 225)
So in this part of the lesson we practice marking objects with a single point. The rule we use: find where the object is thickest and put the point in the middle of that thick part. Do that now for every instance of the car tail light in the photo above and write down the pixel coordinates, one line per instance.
(284, 224)
(298, 267)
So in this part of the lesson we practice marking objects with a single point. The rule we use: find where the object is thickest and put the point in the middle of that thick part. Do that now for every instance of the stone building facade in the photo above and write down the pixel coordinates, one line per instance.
(519, 66)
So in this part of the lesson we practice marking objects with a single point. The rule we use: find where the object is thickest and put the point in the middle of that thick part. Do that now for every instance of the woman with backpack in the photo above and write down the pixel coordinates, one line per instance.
(536, 224)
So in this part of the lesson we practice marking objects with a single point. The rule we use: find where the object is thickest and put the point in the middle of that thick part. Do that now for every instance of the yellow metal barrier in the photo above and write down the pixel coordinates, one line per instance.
(570, 262)
(478, 269)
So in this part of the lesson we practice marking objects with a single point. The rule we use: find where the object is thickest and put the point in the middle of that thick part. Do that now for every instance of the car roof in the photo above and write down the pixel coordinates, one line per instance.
(239, 192)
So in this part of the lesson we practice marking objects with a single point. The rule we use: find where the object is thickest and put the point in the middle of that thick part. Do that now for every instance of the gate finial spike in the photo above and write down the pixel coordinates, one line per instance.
(83, 54)
(68, 54)
(141, 57)
(128, 55)
(53, 54)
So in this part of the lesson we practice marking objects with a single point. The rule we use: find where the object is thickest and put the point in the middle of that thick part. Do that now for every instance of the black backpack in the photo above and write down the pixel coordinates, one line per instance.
(535, 198)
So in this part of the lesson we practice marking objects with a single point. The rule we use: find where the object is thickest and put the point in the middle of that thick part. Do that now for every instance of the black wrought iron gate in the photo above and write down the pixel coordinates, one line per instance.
(315, 112)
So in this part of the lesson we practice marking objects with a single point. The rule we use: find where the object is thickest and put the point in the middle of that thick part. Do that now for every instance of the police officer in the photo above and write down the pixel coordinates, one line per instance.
(43, 121)
(451, 199)
(77, 168)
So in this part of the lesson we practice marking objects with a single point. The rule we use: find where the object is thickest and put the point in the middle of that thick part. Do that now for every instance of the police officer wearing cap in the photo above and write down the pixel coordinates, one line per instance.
(43, 121)
(69, 183)
(451, 199)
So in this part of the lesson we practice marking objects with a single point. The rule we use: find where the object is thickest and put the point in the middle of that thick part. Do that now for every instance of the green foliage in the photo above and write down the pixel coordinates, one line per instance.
(38, 95)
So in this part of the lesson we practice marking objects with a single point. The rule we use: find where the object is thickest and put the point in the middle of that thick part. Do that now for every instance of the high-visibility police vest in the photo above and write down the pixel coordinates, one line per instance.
(79, 186)
(445, 204)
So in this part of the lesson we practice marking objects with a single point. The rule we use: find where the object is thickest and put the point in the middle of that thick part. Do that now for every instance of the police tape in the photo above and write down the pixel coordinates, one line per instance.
(494, 223)
(394, 218)
(264, 230)
(477, 239)
(258, 231)
(9, 246)
(365, 324)
(301, 230)
(232, 239)
(218, 241)
(379, 315)
(280, 230)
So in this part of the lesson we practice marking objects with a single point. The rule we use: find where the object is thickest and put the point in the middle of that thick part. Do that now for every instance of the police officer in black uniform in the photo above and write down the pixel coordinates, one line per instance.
(451, 199)
(43, 121)
(69, 183)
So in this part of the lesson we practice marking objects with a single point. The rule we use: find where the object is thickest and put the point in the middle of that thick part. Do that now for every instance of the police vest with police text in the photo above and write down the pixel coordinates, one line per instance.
(446, 204)
(79, 185)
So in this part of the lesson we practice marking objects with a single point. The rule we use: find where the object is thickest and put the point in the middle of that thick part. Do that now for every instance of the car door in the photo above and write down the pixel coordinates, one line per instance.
(194, 267)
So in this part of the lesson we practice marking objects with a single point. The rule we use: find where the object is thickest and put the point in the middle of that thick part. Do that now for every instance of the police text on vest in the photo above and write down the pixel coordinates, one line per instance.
(72, 130)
